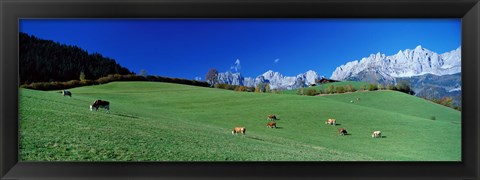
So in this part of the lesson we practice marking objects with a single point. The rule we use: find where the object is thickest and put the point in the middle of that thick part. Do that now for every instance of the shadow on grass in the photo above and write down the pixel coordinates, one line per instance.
(125, 115)
(333, 125)
(275, 127)
(254, 138)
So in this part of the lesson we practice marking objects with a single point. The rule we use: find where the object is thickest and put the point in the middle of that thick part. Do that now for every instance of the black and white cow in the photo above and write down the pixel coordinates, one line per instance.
(100, 104)
(66, 93)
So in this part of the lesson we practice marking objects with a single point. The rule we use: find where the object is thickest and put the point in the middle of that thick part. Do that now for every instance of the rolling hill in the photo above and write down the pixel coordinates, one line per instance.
(152, 121)
(322, 87)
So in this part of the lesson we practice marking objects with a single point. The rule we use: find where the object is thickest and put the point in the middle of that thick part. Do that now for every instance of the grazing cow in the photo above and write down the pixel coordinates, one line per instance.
(66, 93)
(351, 101)
(100, 104)
(237, 130)
(342, 131)
(358, 99)
(272, 117)
(331, 122)
(272, 124)
(377, 134)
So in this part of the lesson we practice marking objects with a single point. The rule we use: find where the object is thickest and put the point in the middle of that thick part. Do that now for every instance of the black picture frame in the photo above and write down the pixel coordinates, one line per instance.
(11, 11)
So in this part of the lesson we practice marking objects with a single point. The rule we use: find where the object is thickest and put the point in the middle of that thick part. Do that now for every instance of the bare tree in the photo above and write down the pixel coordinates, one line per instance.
(82, 76)
(143, 72)
(211, 76)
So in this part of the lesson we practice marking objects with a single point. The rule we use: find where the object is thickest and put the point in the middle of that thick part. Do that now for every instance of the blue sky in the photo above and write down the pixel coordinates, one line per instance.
(188, 48)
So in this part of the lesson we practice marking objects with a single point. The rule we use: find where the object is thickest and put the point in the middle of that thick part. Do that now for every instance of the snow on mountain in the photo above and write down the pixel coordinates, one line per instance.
(376, 68)
(275, 79)
(230, 78)
(455, 89)
(407, 63)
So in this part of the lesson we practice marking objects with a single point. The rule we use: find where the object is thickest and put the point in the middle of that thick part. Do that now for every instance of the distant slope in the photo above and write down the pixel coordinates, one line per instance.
(44, 60)
(323, 87)
(436, 87)
(172, 122)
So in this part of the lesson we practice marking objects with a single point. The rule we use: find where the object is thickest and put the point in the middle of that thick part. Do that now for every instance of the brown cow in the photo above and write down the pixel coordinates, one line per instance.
(331, 122)
(237, 130)
(342, 131)
(271, 117)
(272, 124)
(100, 104)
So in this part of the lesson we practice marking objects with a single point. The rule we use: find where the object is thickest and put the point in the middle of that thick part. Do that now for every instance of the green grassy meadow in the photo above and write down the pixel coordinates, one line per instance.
(151, 121)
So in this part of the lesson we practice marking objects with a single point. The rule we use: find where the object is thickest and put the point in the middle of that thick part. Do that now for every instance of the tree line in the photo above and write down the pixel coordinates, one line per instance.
(47, 61)
(332, 89)
(55, 85)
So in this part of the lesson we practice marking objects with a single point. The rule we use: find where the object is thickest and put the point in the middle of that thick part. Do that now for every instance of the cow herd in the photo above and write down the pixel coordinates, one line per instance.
(96, 104)
(333, 122)
(270, 124)
(236, 130)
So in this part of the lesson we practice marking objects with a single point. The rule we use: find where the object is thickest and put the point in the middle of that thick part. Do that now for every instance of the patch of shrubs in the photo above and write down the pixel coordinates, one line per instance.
(110, 78)
(340, 89)
(403, 87)
(225, 86)
(235, 87)
(372, 87)
(391, 87)
(350, 88)
(300, 91)
(380, 87)
(445, 101)
(332, 89)
(311, 92)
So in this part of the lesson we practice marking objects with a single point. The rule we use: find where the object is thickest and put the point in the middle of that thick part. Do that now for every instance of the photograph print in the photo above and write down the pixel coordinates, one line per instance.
(170, 90)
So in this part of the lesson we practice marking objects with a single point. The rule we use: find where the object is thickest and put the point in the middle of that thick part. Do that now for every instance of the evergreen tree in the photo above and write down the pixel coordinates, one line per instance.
(46, 61)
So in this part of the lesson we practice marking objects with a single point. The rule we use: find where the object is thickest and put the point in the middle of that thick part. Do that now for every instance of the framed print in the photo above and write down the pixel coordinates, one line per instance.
(239, 89)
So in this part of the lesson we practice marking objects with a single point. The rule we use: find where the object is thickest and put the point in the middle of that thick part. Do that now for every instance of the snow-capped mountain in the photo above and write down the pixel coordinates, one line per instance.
(379, 68)
(275, 79)
(230, 78)
(429, 74)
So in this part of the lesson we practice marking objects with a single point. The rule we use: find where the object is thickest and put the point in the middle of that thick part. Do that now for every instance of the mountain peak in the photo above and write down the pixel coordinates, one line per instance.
(405, 63)
(419, 47)
(274, 79)
(270, 73)
(310, 72)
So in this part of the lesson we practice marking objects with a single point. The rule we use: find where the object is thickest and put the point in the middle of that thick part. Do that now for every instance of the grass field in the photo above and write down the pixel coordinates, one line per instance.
(171, 122)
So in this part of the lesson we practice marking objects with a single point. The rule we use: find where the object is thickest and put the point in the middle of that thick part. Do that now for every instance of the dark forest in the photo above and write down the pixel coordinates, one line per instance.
(47, 61)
